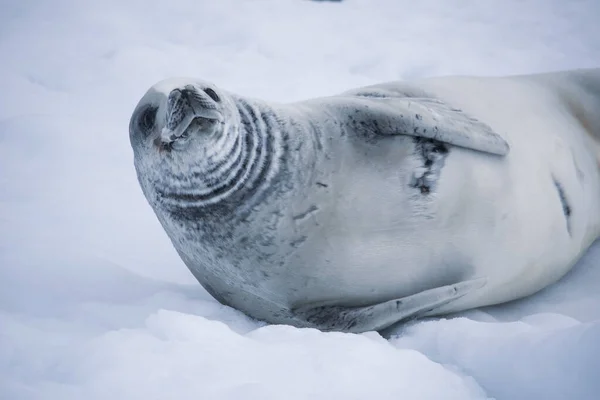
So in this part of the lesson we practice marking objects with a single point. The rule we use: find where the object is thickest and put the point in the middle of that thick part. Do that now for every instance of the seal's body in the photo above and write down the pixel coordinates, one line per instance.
(398, 200)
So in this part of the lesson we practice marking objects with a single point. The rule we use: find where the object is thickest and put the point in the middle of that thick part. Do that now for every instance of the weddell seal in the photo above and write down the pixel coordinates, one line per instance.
(380, 204)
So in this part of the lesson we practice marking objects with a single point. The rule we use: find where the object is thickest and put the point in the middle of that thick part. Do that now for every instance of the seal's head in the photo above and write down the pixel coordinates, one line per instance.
(183, 134)
(175, 113)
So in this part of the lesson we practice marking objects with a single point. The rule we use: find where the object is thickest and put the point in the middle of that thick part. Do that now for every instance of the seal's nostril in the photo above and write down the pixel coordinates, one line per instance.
(175, 93)
(187, 93)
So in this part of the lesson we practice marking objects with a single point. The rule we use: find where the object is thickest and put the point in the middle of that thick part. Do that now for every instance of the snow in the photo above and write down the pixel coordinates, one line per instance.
(94, 301)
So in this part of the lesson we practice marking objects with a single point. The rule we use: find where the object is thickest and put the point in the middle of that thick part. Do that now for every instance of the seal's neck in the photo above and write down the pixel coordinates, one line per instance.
(236, 175)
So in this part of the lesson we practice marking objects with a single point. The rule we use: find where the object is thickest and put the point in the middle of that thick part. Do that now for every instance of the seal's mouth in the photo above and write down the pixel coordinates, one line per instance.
(190, 124)
(189, 110)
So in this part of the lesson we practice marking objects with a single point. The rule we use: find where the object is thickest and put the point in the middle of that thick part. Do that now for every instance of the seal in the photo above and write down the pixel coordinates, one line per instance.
(384, 203)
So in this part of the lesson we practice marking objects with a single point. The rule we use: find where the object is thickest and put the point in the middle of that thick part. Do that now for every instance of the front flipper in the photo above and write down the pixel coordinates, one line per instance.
(422, 117)
(382, 315)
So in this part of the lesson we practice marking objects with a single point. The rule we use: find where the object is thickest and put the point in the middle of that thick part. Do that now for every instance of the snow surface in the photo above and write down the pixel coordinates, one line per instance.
(95, 303)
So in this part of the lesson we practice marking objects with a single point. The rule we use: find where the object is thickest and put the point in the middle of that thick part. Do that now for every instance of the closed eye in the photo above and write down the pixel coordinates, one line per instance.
(212, 94)
(147, 119)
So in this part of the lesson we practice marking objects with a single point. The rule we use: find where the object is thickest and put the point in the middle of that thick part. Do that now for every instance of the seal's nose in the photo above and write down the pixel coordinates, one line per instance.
(195, 97)
(185, 94)
(191, 101)
(178, 105)
(189, 105)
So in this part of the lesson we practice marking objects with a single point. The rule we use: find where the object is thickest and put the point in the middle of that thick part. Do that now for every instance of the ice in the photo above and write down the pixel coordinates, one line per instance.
(94, 301)
(549, 357)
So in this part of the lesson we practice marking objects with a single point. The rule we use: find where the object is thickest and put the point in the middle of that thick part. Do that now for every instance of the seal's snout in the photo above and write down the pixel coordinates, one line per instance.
(192, 99)
(193, 102)
(190, 107)
(177, 107)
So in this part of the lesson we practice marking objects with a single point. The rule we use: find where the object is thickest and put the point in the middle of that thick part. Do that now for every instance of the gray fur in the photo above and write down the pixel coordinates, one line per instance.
(351, 212)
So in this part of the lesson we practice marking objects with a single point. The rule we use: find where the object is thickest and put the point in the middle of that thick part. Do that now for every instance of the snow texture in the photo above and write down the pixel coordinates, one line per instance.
(94, 301)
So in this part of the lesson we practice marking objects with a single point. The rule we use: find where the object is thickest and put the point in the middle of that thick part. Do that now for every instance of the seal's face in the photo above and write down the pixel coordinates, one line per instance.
(175, 113)
(180, 130)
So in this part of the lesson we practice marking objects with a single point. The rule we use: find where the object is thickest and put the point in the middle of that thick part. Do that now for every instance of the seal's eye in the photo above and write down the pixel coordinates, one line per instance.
(212, 94)
(147, 118)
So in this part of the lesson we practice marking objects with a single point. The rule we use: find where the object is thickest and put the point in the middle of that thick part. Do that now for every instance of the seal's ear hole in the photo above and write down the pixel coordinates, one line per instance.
(212, 94)
(147, 119)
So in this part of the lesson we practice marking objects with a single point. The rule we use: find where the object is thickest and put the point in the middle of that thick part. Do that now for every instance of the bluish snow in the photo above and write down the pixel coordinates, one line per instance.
(94, 301)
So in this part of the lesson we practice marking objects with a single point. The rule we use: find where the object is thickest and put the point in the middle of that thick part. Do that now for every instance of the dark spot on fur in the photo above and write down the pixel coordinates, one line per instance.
(321, 184)
(306, 213)
(373, 94)
(297, 242)
(433, 153)
(567, 209)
